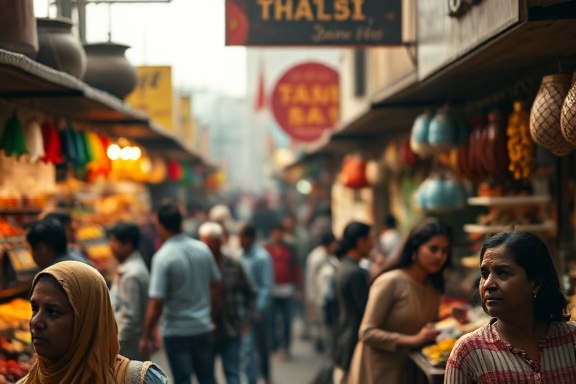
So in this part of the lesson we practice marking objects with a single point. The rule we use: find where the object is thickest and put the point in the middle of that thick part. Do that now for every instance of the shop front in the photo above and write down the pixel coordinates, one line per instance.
(458, 132)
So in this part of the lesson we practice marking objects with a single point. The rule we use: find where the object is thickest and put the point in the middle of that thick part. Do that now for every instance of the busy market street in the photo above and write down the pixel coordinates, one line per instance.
(287, 191)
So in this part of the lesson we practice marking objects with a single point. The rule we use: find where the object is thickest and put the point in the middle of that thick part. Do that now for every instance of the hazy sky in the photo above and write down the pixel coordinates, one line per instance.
(187, 34)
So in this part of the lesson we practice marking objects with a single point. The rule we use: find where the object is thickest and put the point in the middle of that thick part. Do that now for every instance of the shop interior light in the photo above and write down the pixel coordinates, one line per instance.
(146, 165)
(136, 153)
(113, 152)
(126, 153)
(304, 187)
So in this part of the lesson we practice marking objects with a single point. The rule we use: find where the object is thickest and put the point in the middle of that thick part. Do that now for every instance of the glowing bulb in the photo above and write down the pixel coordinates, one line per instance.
(136, 153)
(126, 153)
(113, 152)
(145, 165)
(304, 187)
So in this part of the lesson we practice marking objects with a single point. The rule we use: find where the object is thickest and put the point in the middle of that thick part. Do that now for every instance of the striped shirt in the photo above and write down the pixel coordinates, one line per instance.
(483, 357)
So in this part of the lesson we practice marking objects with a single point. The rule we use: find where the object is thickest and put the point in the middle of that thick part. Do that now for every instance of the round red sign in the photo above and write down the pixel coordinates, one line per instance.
(306, 101)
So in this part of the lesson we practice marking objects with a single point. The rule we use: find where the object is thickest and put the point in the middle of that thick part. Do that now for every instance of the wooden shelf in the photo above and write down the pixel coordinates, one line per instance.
(22, 210)
(509, 200)
(547, 226)
(9, 293)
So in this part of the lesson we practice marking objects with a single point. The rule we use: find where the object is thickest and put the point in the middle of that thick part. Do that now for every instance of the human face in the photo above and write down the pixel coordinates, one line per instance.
(246, 242)
(120, 250)
(70, 230)
(365, 244)
(42, 255)
(52, 321)
(504, 286)
(431, 256)
(213, 243)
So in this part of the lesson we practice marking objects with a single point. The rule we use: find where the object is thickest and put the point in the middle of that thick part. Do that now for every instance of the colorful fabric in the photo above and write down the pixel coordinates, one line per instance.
(482, 357)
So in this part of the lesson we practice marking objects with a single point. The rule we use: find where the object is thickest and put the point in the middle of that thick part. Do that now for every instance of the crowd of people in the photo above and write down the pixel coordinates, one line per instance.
(233, 292)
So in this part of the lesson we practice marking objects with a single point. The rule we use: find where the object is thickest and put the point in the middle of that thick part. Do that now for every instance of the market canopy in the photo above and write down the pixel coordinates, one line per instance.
(36, 86)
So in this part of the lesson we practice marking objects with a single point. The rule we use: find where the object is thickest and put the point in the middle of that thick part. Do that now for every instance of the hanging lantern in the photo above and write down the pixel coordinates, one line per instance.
(353, 173)
(174, 170)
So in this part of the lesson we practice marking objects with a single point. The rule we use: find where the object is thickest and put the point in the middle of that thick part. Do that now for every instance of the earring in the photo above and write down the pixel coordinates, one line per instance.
(534, 295)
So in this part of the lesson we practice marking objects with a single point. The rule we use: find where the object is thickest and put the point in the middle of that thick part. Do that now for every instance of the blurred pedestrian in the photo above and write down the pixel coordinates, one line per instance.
(287, 282)
(47, 240)
(258, 264)
(74, 332)
(237, 303)
(184, 281)
(317, 281)
(351, 287)
(70, 226)
(402, 304)
(529, 338)
(129, 291)
(390, 238)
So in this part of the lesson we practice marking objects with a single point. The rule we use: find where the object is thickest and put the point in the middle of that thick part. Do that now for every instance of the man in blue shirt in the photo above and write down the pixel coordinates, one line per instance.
(183, 282)
(258, 265)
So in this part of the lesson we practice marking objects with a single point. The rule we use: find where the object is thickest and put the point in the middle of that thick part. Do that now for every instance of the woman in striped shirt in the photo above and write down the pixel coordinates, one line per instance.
(528, 340)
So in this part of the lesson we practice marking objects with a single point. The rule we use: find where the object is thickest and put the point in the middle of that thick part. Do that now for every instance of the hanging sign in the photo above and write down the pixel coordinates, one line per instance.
(153, 95)
(314, 22)
(306, 101)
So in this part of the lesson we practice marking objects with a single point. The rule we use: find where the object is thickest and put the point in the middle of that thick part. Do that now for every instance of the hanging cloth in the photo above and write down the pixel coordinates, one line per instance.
(33, 139)
(12, 140)
(52, 143)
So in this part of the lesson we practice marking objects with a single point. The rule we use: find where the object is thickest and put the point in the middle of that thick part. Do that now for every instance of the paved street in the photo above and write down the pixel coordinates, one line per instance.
(299, 370)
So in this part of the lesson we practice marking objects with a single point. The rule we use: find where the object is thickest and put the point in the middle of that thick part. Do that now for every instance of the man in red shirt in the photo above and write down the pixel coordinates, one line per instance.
(286, 284)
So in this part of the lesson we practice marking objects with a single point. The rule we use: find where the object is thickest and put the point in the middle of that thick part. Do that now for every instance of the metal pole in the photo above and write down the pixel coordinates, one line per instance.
(64, 8)
(81, 6)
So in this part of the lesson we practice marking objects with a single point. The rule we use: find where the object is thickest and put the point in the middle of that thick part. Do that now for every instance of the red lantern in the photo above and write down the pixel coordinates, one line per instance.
(353, 173)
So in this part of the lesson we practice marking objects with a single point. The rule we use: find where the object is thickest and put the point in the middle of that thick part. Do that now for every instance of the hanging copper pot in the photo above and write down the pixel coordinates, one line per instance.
(545, 114)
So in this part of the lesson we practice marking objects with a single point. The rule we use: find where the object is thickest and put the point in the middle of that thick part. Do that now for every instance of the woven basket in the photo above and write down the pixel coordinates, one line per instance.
(568, 115)
(545, 114)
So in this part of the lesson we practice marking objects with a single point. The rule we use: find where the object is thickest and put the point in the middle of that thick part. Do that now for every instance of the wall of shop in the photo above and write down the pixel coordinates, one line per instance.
(442, 38)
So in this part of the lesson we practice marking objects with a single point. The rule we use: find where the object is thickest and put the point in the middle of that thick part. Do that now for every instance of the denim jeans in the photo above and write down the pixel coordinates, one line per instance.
(255, 351)
(229, 351)
(191, 354)
(281, 335)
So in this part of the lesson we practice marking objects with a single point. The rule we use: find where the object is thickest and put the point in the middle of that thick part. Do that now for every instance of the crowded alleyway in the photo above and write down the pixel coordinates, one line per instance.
(300, 369)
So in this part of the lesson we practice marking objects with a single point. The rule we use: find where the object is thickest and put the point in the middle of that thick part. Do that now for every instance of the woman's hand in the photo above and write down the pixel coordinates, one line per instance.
(426, 334)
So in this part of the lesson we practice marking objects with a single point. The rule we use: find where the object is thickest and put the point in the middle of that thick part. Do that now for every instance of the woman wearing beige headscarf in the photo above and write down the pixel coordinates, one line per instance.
(74, 332)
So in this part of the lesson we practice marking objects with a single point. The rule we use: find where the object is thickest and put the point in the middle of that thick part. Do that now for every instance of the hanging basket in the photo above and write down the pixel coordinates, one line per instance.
(545, 114)
(568, 115)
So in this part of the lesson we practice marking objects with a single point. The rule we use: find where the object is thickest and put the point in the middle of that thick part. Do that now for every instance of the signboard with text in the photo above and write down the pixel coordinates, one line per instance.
(313, 22)
(153, 94)
(306, 100)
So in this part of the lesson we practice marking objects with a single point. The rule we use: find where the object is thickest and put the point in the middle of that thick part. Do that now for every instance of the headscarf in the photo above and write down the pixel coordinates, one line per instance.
(93, 355)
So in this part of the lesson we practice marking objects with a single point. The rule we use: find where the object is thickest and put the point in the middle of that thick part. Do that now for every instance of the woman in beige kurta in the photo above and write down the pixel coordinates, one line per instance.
(401, 304)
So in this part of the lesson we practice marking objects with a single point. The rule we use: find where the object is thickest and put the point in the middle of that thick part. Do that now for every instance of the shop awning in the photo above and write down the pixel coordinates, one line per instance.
(32, 85)
(528, 51)
(512, 62)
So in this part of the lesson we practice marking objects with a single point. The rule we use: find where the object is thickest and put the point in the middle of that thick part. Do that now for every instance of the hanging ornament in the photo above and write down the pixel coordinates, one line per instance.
(12, 140)
(33, 140)
(52, 143)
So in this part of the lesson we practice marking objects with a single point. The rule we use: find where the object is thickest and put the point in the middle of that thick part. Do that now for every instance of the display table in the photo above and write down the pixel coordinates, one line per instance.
(433, 374)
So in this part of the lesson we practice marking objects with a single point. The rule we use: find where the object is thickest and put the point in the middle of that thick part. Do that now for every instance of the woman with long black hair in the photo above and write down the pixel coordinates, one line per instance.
(401, 304)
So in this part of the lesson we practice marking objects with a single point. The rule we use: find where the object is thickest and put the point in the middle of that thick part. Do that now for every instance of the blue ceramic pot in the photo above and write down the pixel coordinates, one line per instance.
(442, 132)
(419, 136)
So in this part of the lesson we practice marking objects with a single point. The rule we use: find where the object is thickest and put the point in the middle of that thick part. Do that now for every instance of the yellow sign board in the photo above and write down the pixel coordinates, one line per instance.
(153, 95)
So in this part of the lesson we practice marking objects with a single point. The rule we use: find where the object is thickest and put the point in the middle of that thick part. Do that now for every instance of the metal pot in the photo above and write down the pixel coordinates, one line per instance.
(109, 70)
(59, 48)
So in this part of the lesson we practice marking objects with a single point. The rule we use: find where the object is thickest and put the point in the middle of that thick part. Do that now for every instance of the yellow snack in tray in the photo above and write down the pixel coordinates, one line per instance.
(439, 352)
